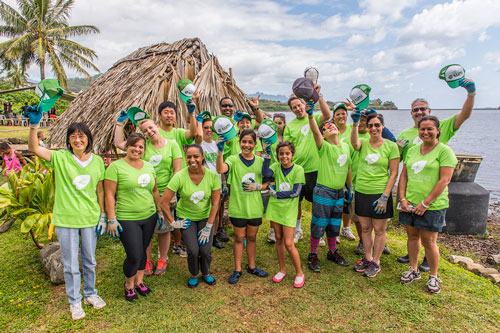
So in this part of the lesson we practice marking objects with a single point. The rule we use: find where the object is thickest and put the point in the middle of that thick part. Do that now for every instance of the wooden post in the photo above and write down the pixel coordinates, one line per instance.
(231, 75)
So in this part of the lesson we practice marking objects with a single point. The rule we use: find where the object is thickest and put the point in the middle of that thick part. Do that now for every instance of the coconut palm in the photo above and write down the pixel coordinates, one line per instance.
(40, 33)
(17, 76)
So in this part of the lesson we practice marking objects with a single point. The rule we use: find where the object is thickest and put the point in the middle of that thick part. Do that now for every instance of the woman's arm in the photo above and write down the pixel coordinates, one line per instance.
(445, 174)
(220, 166)
(403, 181)
(323, 106)
(34, 146)
(156, 197)
(215, 206)
(318, 138)
(393, 175)
(355, 141)
(109, 197)
(165, 204)
(176, 165)
(119, 136)
(100, 196)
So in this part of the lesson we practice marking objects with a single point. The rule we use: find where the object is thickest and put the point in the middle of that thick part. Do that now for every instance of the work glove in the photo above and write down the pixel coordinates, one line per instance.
(250, 185)
(190, 106)
(380, 204)
(267, 147)
(220, 143)
(34, 115)
(272, 191)
(204, 234)
(181, 224)
(238, 115)
(114, 228)
(356, 115)
(122, 117)
(310, 108)
(402, 143)
(199, 118)
(469, 85)
(101, 226)
(160, 222)
(350, 194)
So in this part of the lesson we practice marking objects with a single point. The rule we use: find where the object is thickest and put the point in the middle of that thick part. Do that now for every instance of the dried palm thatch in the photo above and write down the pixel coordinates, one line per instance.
(144, 79)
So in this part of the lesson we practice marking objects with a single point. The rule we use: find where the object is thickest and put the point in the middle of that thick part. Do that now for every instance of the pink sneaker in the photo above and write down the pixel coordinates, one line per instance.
(279, 277)
(299, 281)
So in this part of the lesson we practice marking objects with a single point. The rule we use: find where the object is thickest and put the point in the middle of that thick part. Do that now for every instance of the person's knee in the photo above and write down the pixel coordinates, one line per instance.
(289, 244)
(205, 252)
(239, 238)
(317, 231)
(251, 238)
(379, 231)
(279, 237)
(429, 243)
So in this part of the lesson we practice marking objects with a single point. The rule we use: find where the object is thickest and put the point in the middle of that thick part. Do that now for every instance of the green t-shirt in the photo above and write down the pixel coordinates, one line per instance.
(232, 147)
(355, 156)
(178, 135)
(423, 174)
(306, 152)
(346, 136)
(134, 190)
(242, 204)
(195, 200)
(274, 157)
(335, 161)
(411, 134)
(373, 168)
(161, 160)
(284, 211)
(76, 204)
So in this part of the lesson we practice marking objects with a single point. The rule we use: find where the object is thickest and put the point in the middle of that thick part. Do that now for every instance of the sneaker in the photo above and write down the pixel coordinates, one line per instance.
(404, 259)
(297, 236)
(322, 242)
(142, 289)
(409, 276)
(360, 249)
(257, 271)
(337, 240)
(130, 294)
(386, 250)
(300, 233)
(161, 267)
(217, 244)
(372, 270)
(235, 277)
(347, 233)
(313, 262)
(76, 311)
(433, 284)
(361, 265)
(180, 250)
(148, 270)
(424, 266)
(192, 282)
(336, 257)
(222, 236)
(279, 277)
(209, 279)
(271, 236)
(95, 301)
(299, 281)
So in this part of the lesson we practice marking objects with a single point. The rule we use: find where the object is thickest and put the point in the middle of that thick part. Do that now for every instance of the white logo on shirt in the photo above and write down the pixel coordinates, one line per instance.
(81, 181)
(144, 180)
(305, 130)
(342, 140)
(246, 178)
(155, 160)
(284, 187)
(418, 166)
(372, 158)
(417, 141)
(342, 159)
(197, 196)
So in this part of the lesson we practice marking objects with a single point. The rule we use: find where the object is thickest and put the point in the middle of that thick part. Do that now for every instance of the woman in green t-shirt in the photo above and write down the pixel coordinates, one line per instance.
(423, 189)
(245, 202)
(132, 199)
(78, 208)
(199, 191)
(376, 176)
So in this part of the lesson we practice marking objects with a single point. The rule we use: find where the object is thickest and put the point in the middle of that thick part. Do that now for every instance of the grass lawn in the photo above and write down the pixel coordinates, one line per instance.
(20, 132)
(336, 299)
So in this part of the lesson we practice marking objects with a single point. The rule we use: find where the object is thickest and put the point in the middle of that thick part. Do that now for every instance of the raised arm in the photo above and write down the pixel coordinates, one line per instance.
(193, 124)
(323, 106)
(355, 141)
(466, 112)
(254, 104)
(220, 166)
(34, 145)
(313, 126)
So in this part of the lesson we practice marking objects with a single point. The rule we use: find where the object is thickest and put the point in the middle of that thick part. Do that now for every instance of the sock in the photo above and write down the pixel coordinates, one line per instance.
(332, 243)
(314, 245)
(297, 225)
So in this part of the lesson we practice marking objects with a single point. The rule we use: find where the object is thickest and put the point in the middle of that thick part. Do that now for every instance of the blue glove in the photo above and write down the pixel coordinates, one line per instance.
(310, 108)
(191, 106)
(161, 220)
(199, 118)
(34, 114)
(250, 185)
(181, 224)
(356, 115)
(272, 190)
(350, 194)
(122, 117)
(220, 145)
(238, 115)
(267, 147)
(101, 226)
(469, 85)
(380, 204)
(114, 228)
(368, 112)
(204, 234)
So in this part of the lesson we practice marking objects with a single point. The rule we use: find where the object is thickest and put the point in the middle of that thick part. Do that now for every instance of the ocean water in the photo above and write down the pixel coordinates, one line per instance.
(479, 135)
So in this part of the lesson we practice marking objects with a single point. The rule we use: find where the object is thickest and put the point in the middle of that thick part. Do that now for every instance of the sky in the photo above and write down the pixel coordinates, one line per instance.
(395, 46)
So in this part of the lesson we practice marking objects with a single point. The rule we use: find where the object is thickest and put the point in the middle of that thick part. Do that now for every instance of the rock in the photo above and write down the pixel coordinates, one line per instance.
(52, 264)
(484, 271)
(460, 259)
(45, 254)
(470, 266)
(495, 278)
(494, 259)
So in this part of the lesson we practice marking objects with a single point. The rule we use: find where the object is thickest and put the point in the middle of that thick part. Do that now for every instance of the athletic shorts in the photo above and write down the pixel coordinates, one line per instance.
(364, 206)
(432, 220)
(242, 223)
(308, 189)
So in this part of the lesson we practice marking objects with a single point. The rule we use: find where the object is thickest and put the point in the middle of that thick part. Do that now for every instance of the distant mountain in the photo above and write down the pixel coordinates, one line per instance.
(279, 98)
(77, 84)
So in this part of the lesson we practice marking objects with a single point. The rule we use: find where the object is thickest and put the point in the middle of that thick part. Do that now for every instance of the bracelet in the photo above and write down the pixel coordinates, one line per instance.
(119, 124)
(425, 206)
(402, 199)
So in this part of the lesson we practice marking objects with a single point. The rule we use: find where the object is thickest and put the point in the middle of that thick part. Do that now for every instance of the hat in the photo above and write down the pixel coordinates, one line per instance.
(360, 95)
(304, 88)
(452, 74)
(205, 115)
(187, 89)
(136, 115)
(311, 73)
(238, 115)
(339, 106)
(268, 131)
(224, 127)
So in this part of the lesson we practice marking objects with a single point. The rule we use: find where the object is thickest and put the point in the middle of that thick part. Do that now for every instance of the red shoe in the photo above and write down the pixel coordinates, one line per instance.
(148, 270)
(161, 267)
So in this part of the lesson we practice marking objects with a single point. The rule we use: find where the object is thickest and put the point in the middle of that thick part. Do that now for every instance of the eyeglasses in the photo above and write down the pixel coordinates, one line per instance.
(377, 125)
(227, 105)
(77, 136)
(414, 110)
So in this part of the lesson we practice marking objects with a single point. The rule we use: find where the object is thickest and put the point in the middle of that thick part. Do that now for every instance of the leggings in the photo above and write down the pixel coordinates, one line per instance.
(135, 238)
(198, 255)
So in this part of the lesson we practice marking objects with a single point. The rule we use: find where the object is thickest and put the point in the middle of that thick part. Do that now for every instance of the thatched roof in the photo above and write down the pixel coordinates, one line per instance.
(146, 78)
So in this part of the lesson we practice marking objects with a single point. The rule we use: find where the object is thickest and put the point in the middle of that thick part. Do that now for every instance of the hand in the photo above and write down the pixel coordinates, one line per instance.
(402, 143)
(420, 209)
(160, 221)
(356, 115)
(34, 115)
(199, 118)
(191, 106)
(369, 112)
(317, 87)
(100, 228)
(272, 191)
(251, 185)
(350, 194)
(349, 105)
(254, 103)
(469, 85)
(114, 228)
(204, 234)
(122, 117)
(310, 108)
(220, 143)
(380, 204)
(405, 206)
(197, 94)
(238, 115)
(181, 224)
(267, 147)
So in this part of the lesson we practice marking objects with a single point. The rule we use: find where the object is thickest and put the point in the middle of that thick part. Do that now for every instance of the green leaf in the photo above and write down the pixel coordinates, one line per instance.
(4, 202)
(41, 224)
(28, 223)
(23, 211)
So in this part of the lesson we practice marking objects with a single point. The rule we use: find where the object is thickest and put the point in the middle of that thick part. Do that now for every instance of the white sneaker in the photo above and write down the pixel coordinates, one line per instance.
(76, 311)
(95, 301)
(346, 232)
(297, 236)
(322, 242)
(271, 236)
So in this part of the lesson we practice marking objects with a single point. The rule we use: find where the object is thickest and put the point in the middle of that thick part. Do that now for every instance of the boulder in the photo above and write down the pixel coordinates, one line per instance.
(495, 278)
(52, 264)
(470, 266)
(484, 271)
(494, 259)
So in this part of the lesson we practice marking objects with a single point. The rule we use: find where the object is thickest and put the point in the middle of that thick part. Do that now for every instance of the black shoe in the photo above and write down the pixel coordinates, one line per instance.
(257, 271)
(222, 236)
(313, 262)
(404, 259)
(336, 257)
(217, 244)
(424, 266)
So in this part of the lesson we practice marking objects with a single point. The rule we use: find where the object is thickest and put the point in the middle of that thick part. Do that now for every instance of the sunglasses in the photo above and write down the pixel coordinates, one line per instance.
(227, 105)
(328, 126)
(419, 109)
(377, 125)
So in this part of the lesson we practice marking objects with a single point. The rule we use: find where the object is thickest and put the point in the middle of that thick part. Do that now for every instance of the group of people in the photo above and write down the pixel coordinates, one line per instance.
(175, 181)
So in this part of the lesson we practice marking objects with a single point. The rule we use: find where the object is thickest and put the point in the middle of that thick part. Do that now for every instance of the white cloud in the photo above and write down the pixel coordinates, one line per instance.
(492, 58)
(390, 8)
(483, 36)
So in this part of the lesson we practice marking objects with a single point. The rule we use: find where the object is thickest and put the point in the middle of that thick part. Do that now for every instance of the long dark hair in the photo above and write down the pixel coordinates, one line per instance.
(83, 128)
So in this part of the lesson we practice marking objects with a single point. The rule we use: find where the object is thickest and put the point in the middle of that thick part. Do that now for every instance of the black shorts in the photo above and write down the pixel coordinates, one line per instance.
(432, 220)
(363, 206)
(308, 189)
(242, 223)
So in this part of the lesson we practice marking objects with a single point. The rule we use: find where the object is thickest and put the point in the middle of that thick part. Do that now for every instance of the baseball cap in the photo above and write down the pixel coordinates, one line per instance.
(268, 131)
(304, 88)
(360, 95)
(186, 88)
(339, 106)
(206, 115)
(311, 73)
(224, 127)
(452, 74)
(136, 114)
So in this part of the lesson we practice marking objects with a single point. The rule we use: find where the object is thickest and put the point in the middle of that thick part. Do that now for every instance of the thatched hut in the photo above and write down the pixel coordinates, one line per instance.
(146, 78)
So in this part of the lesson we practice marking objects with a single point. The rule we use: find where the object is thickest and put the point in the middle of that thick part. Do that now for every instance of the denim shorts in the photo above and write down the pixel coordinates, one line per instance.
(432, 220)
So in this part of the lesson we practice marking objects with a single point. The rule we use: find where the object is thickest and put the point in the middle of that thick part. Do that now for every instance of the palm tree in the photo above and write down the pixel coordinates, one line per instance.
(40, 34)
(17, 76)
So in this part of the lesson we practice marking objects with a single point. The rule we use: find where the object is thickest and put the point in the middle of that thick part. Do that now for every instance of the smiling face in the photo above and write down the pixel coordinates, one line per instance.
(244, 124)
(168, 116)
(194, 158)
(375, 127)
(362, 125)
(298, 108)
(227, 107)
(428, 132)
(207, 130)
(419, 110)
(149, 128)
(78, 141)
(329, 130)
(340, 117)
(247, 144)
(285, 156)
(135, 150)
(281, 124)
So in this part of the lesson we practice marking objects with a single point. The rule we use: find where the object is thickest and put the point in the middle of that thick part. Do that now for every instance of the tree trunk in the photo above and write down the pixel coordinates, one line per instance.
(38, 245)
(42, 69)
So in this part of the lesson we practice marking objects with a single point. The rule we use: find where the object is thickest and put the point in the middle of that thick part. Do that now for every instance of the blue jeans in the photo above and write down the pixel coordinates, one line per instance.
(69, 240)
